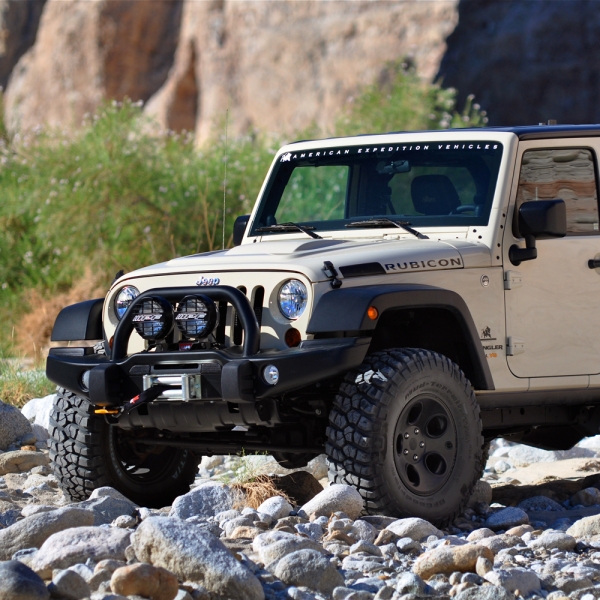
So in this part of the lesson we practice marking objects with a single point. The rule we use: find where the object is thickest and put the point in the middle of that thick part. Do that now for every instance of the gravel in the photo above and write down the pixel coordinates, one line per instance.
(543, 542)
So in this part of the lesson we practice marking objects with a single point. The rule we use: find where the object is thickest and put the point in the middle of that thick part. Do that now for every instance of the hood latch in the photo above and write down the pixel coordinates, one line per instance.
(331, 274)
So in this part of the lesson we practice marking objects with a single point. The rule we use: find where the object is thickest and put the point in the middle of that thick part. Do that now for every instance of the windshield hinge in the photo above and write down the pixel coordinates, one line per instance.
(331, 274)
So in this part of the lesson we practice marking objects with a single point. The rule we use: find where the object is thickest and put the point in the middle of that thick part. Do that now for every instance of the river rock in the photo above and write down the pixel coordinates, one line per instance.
(485, 592)
(449, 559)
(276, 507)
(587, 497)
(507, 518)
(414, 528)
(19, 461)
(142, 579)
(585, 527)
(308, 568)
(76, 545)
(204, 501)
(33, 531)
(19, 582)
(554, 539)
(482, 492)
(480, 534)
(194, 554)
(537, 503)
(526, 582)
(335, 498)
(37, 412)
(274, 545)
(69, 585)
(107, 508)
(13, 426)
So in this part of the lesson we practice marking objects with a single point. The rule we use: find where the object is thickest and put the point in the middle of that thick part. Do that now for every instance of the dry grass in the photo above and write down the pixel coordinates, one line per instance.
(32, 334)
(253, 493)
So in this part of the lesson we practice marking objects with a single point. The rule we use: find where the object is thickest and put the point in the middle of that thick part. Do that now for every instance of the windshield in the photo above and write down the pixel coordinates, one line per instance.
(424, 185)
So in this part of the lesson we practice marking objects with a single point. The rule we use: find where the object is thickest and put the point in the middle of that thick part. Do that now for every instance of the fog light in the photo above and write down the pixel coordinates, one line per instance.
(85, 381)
(271, 374)
(153, 319)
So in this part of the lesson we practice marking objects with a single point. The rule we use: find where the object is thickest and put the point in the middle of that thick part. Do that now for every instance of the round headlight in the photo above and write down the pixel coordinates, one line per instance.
(153, 318)
(124, 298)
(292, 299)
(197, 316)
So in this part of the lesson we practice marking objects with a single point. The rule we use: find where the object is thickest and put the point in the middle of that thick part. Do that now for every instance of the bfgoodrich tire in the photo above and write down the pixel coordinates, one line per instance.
(405, 431)
(88, 453)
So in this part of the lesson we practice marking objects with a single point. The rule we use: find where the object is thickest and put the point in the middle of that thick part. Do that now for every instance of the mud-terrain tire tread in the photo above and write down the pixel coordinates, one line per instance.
(77, 447)
(355, 434)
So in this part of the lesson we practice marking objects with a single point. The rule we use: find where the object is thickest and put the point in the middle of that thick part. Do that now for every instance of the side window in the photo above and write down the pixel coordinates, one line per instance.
(567, 174)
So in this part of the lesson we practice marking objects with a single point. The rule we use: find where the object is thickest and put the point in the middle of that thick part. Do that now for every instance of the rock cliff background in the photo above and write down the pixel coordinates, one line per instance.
(283, 65)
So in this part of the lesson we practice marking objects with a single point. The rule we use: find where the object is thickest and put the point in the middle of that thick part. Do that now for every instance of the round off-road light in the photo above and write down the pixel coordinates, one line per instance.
(124, 298)
(292, 299)
(197, 316)
(271, 374)
(153, 318)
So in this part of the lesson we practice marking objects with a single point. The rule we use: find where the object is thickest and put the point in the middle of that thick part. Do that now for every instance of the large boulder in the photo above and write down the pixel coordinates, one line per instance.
(204, 501)
(193, 554)
(13, 427)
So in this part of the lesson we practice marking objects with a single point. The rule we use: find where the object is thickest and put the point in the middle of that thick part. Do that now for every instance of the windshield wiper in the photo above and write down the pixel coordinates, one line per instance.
(291, 227)
(385, 222)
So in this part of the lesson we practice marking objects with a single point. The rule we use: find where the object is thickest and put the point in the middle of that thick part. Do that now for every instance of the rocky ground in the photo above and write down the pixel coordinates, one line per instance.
(532, 530)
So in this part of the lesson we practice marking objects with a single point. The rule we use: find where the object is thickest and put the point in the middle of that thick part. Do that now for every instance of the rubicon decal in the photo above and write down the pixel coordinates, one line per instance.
(420, 265)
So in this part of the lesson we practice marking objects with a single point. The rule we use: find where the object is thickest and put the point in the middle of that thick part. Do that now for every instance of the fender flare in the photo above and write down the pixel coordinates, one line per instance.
(345, 310)
(81, 321)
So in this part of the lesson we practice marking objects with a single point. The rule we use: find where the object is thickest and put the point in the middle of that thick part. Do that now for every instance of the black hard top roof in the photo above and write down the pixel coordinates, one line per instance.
(523, 132)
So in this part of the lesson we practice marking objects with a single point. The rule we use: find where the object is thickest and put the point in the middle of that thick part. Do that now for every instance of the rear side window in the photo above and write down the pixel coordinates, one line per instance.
(568, 174)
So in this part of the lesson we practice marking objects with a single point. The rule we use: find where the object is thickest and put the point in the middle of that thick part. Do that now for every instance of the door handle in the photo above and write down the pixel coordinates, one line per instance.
(594, 263)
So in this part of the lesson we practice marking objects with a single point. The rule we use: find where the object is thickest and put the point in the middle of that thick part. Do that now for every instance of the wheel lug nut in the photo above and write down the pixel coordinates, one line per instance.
(405, 451)
(415, 457)
(449, 445)
(406, 436)
(422, 444)
(416, 431)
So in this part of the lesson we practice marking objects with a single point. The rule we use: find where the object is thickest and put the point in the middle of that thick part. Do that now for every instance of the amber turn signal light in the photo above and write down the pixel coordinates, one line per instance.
(111, 342)
(292, 337)
(372, 313)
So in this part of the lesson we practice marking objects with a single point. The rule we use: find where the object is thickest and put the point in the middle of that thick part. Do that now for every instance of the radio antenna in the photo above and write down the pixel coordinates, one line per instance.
(225, 175)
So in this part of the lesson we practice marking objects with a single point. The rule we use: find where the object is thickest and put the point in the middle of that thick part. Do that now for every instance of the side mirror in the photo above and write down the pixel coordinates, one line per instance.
(239, 228)
(538, 220)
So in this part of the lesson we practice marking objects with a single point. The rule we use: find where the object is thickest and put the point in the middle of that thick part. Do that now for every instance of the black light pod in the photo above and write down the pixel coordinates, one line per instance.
(197, 317)
(153, 318)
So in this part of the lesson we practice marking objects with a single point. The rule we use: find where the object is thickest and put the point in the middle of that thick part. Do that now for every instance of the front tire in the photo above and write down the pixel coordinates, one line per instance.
(88, 453)
(405, 431)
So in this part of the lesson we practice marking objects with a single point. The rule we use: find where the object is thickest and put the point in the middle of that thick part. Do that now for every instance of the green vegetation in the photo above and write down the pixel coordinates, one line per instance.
(18, 386)
(116, 195)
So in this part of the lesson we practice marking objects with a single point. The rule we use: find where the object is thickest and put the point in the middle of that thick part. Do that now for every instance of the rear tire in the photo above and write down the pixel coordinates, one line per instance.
(405, 431)
(88, 453)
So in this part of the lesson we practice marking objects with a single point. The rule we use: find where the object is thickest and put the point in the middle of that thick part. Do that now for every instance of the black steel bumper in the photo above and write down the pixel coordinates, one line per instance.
(225, 376)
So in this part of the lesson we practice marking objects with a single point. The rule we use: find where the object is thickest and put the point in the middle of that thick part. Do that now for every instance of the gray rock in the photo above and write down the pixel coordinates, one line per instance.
(76, 545)
(361, 530)
(69, 585)
(33, 531)
(482, 492)
(308, 568)
(554, 539)
(19, 461)
(518, 578)
(204, 501)
(569, 584)
(507, 518)
(407, 544)
(414, 528)
(276, 507)
(243, 521)
(362, 546)
(226, 515)
(346, 593)
(317, 467)
(521, 456)
(124, 521)
(335, 498)
(106, 508)
(537, 503)
(587, 497)
(480, 534)
(13, 426)
(313, 530)
(19, 582)
(485, 592)
(409, 583)
(274, 545)
(585, 527)
(193, 554)
(9, 517)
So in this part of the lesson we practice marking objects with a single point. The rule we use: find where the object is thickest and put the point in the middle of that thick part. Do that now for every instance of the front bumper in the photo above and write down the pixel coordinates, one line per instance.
(225, 375)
